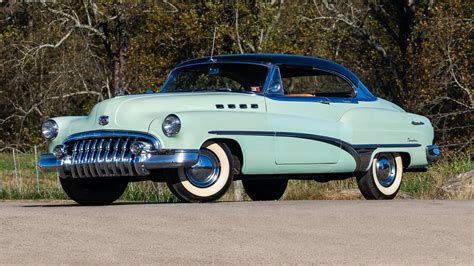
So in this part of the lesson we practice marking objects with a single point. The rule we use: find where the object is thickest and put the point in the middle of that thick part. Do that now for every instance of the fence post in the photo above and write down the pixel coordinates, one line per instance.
(36, 169)
(1, 185)
(17, 179)
(58, 181)
(158, 190)
(238, 190)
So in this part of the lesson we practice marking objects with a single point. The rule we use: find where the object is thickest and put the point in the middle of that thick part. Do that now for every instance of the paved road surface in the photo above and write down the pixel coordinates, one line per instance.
(329, 232)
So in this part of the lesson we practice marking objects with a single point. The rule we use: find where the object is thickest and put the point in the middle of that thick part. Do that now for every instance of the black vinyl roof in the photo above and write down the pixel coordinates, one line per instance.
(279, 59)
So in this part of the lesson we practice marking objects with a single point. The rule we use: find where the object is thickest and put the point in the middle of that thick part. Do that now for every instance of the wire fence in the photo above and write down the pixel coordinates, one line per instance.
(20, 176)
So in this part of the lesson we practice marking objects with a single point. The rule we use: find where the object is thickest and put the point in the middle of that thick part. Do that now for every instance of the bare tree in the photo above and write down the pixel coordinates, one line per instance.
(108, 26)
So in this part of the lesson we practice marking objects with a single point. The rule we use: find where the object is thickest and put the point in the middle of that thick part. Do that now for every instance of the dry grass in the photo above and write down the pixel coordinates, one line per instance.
(416, 185)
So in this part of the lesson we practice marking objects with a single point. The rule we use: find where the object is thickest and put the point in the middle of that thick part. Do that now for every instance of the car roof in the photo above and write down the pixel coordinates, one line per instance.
(279, 59)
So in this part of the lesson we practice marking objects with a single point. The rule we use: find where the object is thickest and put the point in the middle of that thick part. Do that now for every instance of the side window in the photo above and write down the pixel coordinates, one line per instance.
(303, 81)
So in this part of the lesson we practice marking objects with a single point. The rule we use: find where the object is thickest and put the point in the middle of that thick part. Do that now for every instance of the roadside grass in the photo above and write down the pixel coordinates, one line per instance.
(24, 185)
(426, 185)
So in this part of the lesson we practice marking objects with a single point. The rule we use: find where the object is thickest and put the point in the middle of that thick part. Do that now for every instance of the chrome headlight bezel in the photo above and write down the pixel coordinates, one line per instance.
(49, 129)
(171, 125)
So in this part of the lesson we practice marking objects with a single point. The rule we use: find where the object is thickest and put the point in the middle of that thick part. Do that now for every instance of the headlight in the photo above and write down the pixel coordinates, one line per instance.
(49, 129)
(171, 125)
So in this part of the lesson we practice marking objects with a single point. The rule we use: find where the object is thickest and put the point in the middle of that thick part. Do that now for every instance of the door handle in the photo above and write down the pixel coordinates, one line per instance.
(324, 102)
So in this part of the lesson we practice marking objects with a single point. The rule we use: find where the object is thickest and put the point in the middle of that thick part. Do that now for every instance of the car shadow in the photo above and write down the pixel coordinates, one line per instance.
(72, 205)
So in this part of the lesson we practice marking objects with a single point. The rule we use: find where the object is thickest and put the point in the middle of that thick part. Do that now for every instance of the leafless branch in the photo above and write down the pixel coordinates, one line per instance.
(175, 9)
(239, 44)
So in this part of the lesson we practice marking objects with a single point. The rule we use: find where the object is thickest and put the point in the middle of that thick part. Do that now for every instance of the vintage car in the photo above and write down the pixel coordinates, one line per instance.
(259, 118)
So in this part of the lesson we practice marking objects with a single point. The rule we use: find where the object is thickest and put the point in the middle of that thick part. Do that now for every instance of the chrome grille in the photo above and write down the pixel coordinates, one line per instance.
(103, 156)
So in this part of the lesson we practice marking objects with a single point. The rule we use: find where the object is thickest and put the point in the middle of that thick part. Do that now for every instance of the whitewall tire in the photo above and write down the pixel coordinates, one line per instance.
(384, 178)
(206, 181)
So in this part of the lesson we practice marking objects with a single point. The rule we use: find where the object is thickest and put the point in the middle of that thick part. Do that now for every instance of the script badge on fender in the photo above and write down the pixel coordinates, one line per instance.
(103, 120)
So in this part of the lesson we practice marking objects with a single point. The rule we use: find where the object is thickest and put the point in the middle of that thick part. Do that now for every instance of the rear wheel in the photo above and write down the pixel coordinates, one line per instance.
(259, 190)
(93, 191)
(384, 178)
(207, 180)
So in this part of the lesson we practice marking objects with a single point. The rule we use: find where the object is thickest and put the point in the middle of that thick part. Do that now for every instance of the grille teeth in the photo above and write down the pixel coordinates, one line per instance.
(102, 157)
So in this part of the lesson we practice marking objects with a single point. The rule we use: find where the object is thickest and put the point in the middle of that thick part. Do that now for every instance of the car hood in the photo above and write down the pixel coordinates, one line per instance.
(138, 111)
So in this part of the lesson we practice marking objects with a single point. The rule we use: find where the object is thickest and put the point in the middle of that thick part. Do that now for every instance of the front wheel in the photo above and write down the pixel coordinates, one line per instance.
(384, 178)
(93, 191)
(208, 179)
(259, 190)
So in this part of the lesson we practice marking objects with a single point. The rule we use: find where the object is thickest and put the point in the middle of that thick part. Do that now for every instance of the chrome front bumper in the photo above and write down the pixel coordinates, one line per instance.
(138, 165)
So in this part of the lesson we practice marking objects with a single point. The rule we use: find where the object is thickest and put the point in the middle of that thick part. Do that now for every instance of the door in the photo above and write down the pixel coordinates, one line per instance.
(299, 111)
(304, 130)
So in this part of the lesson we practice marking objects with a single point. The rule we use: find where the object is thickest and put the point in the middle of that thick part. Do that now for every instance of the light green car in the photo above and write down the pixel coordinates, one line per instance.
(259, 118)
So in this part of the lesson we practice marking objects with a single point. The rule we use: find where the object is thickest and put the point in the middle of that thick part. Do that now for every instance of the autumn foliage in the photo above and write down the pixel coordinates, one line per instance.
(62, 58)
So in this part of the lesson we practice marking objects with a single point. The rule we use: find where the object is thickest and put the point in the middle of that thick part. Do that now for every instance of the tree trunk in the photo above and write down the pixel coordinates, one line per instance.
(120, 58)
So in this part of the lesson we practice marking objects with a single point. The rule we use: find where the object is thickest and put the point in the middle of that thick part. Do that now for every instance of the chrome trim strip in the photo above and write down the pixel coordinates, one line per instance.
(363, 94)
(122, 157)
(79, 159)
(114, 134)
(106, 158)
(99, 157)
(183, 158)
(128, 162)
(375, 146)
(312, 99)
(114, 157)
(360, 152)
(86, 158)
(179, 66)
(73, 158)
(92, 158)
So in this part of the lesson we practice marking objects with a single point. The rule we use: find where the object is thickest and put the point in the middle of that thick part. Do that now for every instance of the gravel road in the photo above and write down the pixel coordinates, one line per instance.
(328, 232)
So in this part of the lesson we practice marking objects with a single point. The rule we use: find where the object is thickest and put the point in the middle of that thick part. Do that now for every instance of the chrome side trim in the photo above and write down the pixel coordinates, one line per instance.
(320, 99)
(360, 152)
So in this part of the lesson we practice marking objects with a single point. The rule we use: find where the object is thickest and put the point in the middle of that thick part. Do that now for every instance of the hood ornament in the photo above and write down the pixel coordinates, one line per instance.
(103, 120)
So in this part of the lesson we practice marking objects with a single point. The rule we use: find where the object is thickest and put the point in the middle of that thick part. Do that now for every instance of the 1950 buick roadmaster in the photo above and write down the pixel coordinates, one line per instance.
(260, 118)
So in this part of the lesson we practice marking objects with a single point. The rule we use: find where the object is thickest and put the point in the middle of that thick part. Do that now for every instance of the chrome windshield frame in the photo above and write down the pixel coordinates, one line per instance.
(264, 87)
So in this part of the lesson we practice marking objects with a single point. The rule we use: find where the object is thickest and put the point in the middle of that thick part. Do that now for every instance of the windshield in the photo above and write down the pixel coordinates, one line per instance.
(226, 77)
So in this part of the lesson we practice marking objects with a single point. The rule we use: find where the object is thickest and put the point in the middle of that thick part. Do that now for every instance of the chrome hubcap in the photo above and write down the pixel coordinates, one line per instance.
(205, 172)
(386, 169)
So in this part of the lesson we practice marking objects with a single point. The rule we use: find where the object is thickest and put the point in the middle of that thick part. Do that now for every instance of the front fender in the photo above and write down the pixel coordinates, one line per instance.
(66, 125)
(196, 125)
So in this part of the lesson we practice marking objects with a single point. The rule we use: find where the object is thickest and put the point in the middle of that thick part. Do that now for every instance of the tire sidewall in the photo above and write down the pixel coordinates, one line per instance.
(395, 186)
(93, 192)
(260, 190)
(186, 191)
(370, 186)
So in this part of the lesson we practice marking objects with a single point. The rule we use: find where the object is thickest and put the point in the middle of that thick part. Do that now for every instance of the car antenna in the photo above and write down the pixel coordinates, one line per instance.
(212, 60)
